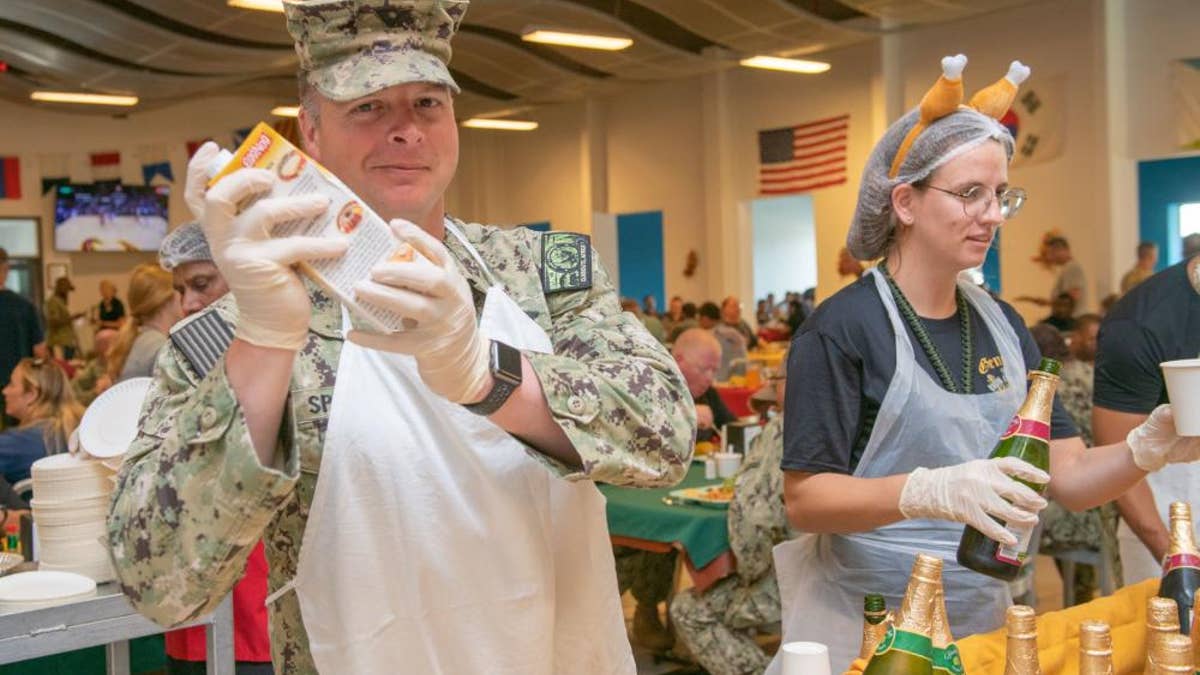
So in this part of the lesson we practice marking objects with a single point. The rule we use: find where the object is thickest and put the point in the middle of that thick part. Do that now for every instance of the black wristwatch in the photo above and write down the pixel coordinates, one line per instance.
(505, 363)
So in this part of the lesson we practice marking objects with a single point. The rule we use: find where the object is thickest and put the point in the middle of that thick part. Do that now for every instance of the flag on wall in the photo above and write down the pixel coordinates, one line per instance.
(106, 166)
(155, 166)
(10, 178)
(1037, 120)
(804, 157)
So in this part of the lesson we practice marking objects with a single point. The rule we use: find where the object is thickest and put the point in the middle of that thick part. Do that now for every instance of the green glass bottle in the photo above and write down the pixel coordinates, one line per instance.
(906, 647)
(1027, 437)
(946, 660)
(875, 623)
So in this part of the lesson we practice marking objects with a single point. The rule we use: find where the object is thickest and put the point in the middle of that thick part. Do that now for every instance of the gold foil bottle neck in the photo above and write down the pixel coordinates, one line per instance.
(940, 626)
(1021, 656)
(1039, 402)
(1183, 537)
(1162, 615)
(1095, 649)
(916, 613)
(1171, 654)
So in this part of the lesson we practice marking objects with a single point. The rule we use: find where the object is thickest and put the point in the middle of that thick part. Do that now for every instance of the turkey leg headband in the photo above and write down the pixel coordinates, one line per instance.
(933, 133)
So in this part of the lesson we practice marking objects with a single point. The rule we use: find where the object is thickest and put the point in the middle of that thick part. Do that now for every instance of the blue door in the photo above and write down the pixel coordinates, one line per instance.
(1164, 184)
(640, 256)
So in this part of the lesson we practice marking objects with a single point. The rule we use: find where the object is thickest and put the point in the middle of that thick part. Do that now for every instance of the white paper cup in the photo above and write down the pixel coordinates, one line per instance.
(1183, 388)
(805, 658)
(727, 463)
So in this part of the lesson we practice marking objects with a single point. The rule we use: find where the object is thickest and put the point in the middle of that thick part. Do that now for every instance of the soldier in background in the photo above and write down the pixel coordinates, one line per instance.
(454, 527)
(717, 625)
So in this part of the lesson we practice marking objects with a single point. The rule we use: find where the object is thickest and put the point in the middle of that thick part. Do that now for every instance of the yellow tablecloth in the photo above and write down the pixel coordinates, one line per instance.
(1058, 636)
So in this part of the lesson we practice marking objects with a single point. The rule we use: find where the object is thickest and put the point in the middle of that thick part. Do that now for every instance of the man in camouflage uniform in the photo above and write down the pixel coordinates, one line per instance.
(231, 439)
(717, 625)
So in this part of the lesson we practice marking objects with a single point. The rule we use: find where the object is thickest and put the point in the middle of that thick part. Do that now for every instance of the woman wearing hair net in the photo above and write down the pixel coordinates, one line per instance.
(900, 385)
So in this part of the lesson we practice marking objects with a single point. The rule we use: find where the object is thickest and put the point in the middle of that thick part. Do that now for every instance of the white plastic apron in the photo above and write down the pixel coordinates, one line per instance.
(823, 578)
(435, 544)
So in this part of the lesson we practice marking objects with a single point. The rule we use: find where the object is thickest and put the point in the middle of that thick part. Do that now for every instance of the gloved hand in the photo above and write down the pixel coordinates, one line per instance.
(451, 353)
(197, 178)
(1155, 444)
(273, 305)
(974, 491)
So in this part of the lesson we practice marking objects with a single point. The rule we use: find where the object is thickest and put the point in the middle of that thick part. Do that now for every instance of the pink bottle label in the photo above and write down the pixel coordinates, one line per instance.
(1025, 427)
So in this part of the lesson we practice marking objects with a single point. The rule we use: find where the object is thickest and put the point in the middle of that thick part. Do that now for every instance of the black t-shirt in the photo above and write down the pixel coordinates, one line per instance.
(843, 359)
(20, 330)
(721, 413)
(1159, 320)
(114, 312)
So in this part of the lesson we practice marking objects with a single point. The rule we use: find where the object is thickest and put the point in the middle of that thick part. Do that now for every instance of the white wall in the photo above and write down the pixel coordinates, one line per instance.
(785, 245)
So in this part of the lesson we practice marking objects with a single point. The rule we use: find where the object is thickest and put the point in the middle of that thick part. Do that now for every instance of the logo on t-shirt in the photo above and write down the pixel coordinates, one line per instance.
(992, 369)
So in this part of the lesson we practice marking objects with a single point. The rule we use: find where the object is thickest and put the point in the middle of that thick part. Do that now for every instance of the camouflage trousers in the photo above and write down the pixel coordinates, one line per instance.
(646, 574)
(717, 626)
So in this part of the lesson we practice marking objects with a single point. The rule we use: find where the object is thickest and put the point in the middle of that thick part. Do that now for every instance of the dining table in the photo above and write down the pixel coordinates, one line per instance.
(651, 519)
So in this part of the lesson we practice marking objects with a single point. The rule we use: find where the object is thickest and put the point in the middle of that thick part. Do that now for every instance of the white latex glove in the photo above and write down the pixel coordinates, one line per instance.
(451, 353)
(197, 178)
(974, 491)
(273, 305)
(1155, 444)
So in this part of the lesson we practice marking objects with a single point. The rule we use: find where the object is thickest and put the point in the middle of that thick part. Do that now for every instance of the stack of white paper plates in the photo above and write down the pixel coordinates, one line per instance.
(70, 507)
(30, 590)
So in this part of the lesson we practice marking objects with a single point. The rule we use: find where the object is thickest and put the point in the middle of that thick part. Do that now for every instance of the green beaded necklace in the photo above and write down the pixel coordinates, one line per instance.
(918, 328)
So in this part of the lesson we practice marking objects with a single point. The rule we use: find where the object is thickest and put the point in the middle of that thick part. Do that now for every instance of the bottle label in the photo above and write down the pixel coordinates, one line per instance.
(947, 660)
(904, 641)
(1027, 427)
(1016, 554)
(1173, 562)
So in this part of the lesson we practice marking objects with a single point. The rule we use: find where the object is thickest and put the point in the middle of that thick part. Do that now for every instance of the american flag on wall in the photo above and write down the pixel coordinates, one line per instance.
(804, 157)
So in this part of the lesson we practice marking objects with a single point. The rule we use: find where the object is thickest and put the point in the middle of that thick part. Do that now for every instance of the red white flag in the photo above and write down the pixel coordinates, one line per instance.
(106, 166)
(804, 157)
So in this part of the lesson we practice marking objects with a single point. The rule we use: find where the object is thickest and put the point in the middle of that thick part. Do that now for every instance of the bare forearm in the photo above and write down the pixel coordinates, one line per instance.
(830, 503)
(526, 415)
(1082, 478)
(260, 377)
(1138, 508)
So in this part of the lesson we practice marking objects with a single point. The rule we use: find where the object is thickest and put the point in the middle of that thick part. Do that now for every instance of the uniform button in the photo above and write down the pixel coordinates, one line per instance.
(575, 404)
(208, 417)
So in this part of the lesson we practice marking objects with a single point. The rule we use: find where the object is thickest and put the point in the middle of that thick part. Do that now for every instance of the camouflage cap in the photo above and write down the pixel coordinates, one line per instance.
(351, 48)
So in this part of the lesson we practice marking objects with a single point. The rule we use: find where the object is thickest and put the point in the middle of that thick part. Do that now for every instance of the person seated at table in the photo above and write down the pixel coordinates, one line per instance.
(686, 321)
(93, 379)
(731, 316)
(698, 354)
(733, 343)
(154, 306)
(650, 321)
(1062, 313)
(715, 625)
(39, 396)
(646, 574)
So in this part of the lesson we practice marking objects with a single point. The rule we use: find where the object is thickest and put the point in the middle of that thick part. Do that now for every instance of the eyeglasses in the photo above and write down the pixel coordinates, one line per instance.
(978, 200)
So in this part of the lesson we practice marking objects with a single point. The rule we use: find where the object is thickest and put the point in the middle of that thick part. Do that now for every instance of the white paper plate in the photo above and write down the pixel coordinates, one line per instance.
(44, 586)
(110, 423)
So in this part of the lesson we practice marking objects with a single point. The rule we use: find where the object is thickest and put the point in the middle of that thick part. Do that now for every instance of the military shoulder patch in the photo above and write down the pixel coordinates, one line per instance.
(202, 340)
(566, 262)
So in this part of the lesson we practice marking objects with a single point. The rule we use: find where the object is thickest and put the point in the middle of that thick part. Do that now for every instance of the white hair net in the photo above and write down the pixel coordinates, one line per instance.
(944, 139)
(184, 245)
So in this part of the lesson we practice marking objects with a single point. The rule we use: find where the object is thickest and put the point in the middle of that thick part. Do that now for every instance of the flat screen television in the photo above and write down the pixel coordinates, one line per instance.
(109, 217)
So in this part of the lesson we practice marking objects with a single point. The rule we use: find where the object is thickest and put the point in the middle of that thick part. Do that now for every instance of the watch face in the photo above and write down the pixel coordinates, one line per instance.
(506, 362)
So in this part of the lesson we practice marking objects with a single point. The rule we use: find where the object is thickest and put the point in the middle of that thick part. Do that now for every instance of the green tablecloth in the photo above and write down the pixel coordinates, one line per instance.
(146, 655)
(639, 513)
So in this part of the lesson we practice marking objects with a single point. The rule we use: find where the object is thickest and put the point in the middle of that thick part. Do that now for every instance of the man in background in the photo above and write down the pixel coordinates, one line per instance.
(1159, 320)
(731, 316)
(1143, 269)
(687, 320)
(715, 625)
(186, 255)
(1071, 278)
(20, 331)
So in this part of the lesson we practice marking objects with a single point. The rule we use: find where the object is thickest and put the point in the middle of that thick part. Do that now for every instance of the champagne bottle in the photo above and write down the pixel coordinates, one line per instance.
(1027, 437)
(1021, 656)
(906, 647)
(1162, 619)
(1170, 656)
(946, 660)
(1181, 569)
(875, 624)
(1095, 649)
